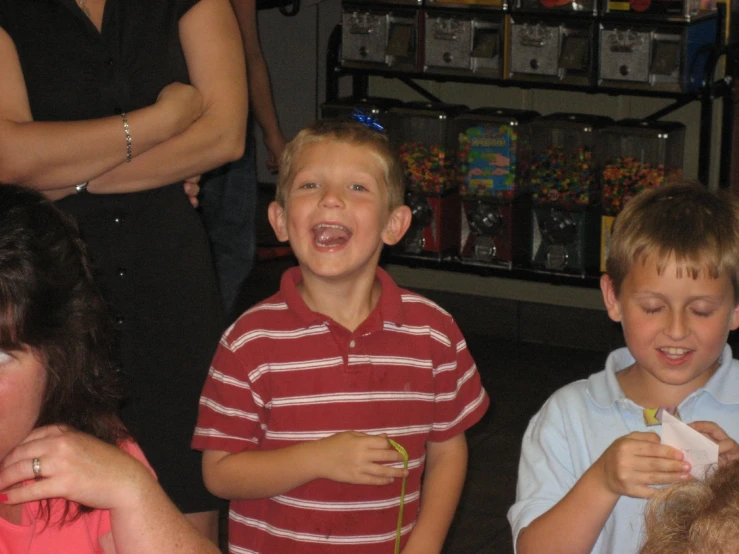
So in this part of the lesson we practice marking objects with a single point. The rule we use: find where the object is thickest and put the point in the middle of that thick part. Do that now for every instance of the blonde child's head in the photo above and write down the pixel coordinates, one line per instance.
(685, 222)
(696, 517)
(349, 132)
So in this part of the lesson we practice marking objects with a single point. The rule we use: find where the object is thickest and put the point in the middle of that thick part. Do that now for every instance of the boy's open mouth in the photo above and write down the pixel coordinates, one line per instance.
(328, 235)
(674, 353)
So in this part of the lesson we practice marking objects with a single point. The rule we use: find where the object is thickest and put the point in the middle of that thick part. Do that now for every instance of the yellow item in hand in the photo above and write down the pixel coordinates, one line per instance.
(403, 453)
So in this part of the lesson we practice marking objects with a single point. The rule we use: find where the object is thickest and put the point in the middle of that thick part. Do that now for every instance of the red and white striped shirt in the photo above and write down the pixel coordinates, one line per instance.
(284, 374)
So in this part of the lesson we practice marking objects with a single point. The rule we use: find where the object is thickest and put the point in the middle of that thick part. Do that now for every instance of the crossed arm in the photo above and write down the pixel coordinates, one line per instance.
(185, 133)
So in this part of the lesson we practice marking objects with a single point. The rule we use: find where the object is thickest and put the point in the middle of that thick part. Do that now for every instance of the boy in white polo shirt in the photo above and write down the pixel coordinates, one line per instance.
(591, 457)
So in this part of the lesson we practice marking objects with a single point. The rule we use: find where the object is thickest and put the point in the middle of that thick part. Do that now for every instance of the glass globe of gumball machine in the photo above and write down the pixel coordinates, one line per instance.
(634, 155)
(421, 134)
(492, 160)
(564, 187)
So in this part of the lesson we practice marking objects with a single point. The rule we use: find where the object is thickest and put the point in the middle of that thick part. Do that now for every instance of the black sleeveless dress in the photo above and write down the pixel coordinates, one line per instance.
(149, 249)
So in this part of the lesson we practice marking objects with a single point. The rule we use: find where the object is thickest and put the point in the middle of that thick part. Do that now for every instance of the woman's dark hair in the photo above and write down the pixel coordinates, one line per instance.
(50, 304)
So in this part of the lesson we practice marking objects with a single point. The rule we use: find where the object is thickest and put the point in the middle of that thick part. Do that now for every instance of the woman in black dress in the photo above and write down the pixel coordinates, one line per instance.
(97, 111)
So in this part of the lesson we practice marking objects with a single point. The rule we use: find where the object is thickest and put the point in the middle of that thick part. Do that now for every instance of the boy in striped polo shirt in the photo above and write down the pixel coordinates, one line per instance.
(307, 387)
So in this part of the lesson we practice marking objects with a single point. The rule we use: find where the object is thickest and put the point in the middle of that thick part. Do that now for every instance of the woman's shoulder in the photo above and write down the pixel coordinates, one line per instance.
(131, 447)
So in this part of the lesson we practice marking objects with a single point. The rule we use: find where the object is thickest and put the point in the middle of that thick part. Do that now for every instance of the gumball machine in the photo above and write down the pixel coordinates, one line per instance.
(464, 41)
(564, 191)
(381, 35)
(421, 133)
(665, 45)
(492, 162)
(638, 51)
(553, 41)
(634, 155)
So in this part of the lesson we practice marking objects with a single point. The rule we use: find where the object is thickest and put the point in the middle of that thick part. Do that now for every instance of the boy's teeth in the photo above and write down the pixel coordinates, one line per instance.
(675, 351)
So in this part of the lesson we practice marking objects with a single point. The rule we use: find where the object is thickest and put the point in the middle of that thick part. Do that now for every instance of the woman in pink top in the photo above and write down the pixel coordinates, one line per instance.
(72, 481)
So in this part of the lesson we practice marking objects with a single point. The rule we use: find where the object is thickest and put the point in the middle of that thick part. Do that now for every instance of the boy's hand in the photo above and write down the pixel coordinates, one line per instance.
(728, 449)
(637, 460)
(358, 458)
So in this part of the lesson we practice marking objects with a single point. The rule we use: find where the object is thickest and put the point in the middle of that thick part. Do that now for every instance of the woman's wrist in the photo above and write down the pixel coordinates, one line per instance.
(134, 486)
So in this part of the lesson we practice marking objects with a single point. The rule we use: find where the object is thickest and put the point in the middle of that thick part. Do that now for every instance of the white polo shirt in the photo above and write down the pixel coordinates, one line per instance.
(581, 420)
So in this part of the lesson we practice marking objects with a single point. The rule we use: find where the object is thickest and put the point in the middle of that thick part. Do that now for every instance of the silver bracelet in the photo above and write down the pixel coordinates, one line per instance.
(127, 130)
(81, 188)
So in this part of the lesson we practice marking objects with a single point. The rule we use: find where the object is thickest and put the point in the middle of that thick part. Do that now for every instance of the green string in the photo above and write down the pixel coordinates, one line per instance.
(403, 453)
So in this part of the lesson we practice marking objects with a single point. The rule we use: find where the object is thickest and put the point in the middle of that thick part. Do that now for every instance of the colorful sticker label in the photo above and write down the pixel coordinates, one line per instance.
(487, 157)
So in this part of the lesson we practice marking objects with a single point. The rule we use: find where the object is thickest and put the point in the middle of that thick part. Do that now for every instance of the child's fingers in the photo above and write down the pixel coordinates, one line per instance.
(710, 429)
(658, 477)
(645, 491)
(386, 456)
(647, 436)
(650, 449)
(728, 450)
(660, 464)
(638, 482)
(378, 442)
(375, 480)
(378, 470)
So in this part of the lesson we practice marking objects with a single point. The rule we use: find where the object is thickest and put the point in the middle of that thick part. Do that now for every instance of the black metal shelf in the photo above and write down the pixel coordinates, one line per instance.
(522, 84)
(523, 273)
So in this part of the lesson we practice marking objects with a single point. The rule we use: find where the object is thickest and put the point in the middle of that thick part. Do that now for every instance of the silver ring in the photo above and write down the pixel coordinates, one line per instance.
(36, 466)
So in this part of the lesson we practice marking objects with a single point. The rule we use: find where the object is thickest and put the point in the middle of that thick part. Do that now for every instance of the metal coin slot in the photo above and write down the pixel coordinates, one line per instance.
(400, 40)
(666, 57)
(575, 53)
(485, 43)
(557, 257)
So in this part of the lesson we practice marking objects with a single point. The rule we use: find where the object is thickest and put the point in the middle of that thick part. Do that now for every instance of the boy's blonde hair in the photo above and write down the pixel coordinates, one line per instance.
(685, 220)
(350, 132)
(696, 517)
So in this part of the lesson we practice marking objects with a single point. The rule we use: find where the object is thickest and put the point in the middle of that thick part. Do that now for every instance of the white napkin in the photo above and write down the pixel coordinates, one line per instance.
(700, 451)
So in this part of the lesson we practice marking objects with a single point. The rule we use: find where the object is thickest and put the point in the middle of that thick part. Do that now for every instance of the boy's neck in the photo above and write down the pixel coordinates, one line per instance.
(348, 302)
(644, 390)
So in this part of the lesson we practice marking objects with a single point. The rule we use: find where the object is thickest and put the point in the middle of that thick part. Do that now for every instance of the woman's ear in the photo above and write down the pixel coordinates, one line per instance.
(610, 298)
(397, 225)
(277, 218)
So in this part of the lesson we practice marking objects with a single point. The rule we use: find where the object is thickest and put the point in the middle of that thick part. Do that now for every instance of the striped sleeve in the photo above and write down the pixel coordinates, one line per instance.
(231, 411)
(460, 400)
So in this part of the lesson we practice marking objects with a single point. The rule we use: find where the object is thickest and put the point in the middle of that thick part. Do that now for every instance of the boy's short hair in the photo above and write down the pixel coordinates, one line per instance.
(698, 227)
(351, 132)
(696, 517)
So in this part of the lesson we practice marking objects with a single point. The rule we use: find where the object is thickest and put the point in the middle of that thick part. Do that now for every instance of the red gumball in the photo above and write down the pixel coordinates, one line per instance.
(554, 3)
(640, 5)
